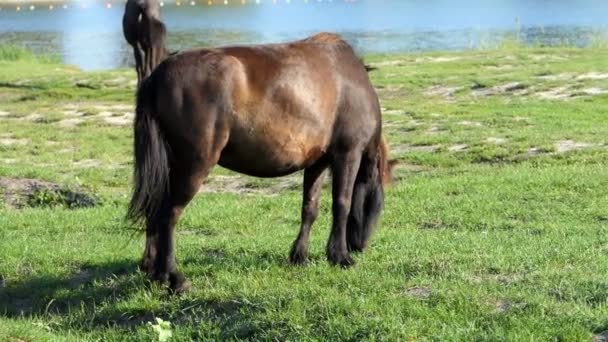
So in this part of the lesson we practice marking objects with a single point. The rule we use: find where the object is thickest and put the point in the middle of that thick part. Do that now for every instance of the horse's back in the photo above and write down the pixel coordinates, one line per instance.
(283, 104)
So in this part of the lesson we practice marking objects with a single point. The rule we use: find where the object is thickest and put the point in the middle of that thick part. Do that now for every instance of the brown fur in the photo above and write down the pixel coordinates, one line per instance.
(265, 111)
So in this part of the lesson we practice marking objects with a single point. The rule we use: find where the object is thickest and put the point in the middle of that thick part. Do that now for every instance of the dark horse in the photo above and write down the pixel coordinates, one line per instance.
(144, 31)
(264, 111)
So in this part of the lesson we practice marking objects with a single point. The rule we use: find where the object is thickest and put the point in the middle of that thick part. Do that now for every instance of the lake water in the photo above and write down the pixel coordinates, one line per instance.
(88, 34)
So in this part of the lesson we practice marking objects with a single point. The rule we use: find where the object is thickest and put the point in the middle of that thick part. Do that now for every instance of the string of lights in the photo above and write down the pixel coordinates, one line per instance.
(83, 5)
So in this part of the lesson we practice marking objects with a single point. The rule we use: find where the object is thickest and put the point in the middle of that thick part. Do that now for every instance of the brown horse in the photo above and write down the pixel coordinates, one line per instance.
(264, 111)
(144, 31)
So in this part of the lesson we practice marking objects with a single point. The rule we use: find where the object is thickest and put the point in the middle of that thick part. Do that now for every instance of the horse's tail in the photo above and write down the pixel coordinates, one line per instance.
(368, 196)
(152, 154)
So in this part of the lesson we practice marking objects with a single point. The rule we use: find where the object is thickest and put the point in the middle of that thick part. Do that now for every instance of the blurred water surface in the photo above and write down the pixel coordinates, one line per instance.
(88, 34)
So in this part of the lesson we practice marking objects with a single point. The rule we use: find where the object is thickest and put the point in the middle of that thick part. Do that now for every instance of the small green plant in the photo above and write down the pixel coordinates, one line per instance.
(59, 197)
(162, 330)
(46, 198)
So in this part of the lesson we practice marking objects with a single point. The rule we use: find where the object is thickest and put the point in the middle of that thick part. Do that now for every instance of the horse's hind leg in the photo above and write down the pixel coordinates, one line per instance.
(184, 184)
(344, 169)
(313, 182)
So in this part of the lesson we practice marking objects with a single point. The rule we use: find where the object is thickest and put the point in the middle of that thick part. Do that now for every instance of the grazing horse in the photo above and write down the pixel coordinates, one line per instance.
(264, 111)
(144, 31)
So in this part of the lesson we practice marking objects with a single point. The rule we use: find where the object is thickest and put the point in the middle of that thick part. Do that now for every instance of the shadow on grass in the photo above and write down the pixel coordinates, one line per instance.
(19, 86)
(60, 294)
(115, 295)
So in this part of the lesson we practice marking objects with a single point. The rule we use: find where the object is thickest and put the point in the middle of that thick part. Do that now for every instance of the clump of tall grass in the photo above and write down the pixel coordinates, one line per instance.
(14, 53)
(598, 39)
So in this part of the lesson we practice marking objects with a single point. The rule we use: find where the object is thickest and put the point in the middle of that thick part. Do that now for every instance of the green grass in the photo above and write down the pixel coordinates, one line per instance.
(496, 228)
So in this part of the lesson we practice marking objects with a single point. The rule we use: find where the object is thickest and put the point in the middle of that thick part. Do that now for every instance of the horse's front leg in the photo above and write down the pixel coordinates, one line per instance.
(344, 170)
(313, 182)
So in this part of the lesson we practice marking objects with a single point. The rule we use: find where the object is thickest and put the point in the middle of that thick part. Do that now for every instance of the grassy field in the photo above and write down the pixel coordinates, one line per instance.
(496, 227)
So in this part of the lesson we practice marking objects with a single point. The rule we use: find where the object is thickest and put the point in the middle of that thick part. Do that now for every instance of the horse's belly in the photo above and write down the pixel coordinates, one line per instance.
(271, 155)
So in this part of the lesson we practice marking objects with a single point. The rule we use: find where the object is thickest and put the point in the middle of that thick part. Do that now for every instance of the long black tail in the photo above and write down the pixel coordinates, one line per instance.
(366, 206)
(152, 155)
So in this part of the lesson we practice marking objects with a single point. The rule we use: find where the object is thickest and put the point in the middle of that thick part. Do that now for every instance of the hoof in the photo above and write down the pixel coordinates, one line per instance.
(146, 266)
(297, 257)
(178, 284)
(355, 247)
(159, 278)
(343, 260)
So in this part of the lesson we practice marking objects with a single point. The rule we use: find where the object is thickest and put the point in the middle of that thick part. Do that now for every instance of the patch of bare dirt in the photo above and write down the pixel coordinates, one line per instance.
(496, 141)
(435, 130)
(458, 148)
(534, 151)
(9, 141)
(388, 63)
(105, 114)
(115, 108)
(594, 91)
(70, 122)
(556, 77)
(32, 117)
(570, 145)
(73, 113)
(504, 305)
(547, 57)
(470, 123)
(22, 192)
(3, 114)
(87, 163)
(512, 88)
(418, 292)
(415, 148)
(394, 111)
(66, 150)
(123, 120)
(437, 59)
(594, 75)
(444, 91)
(566, 93)
(241, 185)
(559, 93)
(499, 67)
